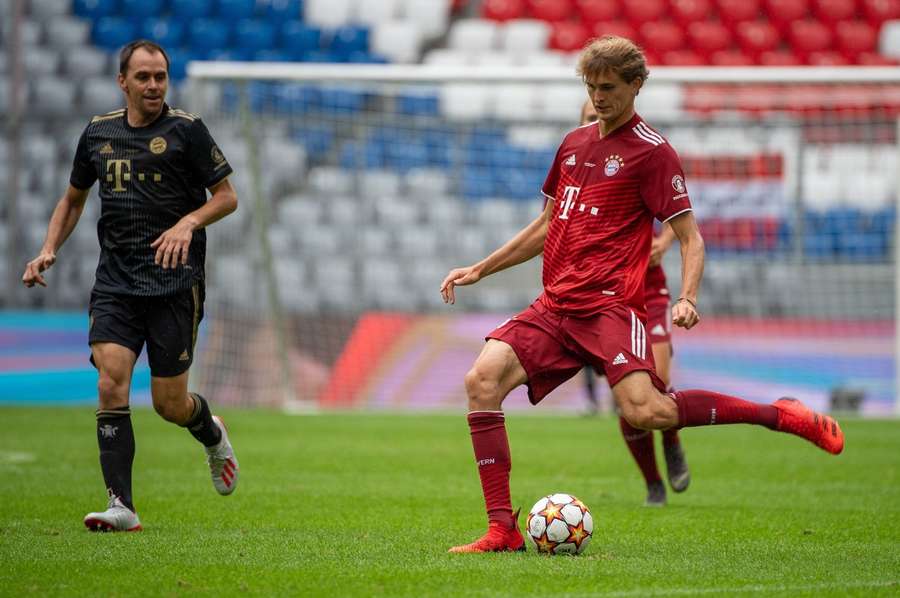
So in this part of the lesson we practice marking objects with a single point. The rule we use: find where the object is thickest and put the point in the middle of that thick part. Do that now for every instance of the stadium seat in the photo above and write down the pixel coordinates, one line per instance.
(141, 9)
(431, 16)
(328, 13)
(280, 11)
(253, 35)
(503, 10)
(854, 38)
(298, 39)
(112, 33)
(755, 37)
(730, 58)
(685, 12)
(473, 35)
(496, 58)
(779, 58)
(782, 13)
(550, 10)
(568, 36)
(879, 11)
(347, 40)
(874, 59)
(52, 97)
(207, 36)
(592, 11)
(832, 11)
(662, 36)
(660, 101)
(682, 58)
(86, 61)
(400, 41)
(445, 57)
(707, 37)
(620, 28)
(168, 33)
(233, 10)
(643, 11)
(524, 35)
(39, 60)
(191, 9)
(889, 39)
(826, 58)
(94, 9)
(372, 13)
(66, 31)
(562, 103)
(809, 36)
(738, 11)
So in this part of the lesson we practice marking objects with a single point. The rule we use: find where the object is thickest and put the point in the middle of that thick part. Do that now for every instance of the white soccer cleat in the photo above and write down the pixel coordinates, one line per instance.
(116, 518)
(223, 465)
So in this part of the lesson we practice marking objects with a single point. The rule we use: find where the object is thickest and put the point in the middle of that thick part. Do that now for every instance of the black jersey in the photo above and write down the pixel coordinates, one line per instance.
(150, 177)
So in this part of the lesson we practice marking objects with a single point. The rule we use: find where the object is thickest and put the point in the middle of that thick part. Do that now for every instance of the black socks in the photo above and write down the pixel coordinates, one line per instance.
(115, 437)
(200, 424)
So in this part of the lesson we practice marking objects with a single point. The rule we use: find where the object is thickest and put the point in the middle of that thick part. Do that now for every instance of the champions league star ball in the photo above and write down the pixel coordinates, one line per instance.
(560, 524)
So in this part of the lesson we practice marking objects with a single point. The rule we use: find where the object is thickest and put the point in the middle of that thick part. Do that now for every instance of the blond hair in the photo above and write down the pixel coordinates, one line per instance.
(613, 53)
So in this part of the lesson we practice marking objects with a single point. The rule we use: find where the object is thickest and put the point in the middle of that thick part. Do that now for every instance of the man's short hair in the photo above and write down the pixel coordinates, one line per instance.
(612, 53)
(128, 50)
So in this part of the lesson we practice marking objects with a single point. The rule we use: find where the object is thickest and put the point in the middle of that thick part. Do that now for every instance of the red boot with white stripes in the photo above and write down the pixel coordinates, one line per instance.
(223, 465)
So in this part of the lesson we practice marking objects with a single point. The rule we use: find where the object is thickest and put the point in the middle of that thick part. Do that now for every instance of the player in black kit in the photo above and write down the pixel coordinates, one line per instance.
(154, 164)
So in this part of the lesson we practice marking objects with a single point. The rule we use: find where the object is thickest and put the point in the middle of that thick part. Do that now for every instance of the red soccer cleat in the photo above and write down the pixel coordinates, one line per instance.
(498, 538)
(796, 418)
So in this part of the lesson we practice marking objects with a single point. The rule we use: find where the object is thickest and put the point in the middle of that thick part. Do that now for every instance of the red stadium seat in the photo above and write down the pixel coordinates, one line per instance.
(682, 58)
(568, 36)
(503, 10)
(809, 36)
(707, 37)
(620, 28)
(879, 11)
(592, 11)
(730, 58)
(831, 11)
(755, 37)
(855, 37)
(688, 11)
(779, 58)
(826, 58)
(735, 11)
(642, 11)
(873, 59)
(662, 36)
(784, 12)
(551, 10)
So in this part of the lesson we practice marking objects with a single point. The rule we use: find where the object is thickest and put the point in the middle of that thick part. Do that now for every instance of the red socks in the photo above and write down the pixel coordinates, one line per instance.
(705, 408)
(488, 429)
(640, 443)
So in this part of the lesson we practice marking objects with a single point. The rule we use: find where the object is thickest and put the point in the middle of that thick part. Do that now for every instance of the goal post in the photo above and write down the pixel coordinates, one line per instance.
(362, 185)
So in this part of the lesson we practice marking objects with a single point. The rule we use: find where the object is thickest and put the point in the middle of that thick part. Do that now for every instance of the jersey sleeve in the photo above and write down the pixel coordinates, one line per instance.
(83, 172)
(552, 180)
(662, 184)
(207, 162)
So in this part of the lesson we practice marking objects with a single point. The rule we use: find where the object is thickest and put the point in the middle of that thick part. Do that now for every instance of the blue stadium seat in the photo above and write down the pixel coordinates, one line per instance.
(342, 101)
(818, 245)
(178, 60)
(206, 36)
(191, 9)
(320, 56)
(236, 9)
(478, 183)
(347, 40)
(423, 103)
(271, 56)
(95, 9)
(298, 39)
(317, 139)
(367, 58)
(279, 11)
(141, 9)
(168, 33)
(111, 33)
(296, 98)
(253, 35)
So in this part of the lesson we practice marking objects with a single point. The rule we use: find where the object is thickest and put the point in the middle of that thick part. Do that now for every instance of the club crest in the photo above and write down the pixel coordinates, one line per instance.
(613, 164)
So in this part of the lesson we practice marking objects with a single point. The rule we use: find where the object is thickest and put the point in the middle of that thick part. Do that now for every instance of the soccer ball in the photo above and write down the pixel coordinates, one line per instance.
(560, 524)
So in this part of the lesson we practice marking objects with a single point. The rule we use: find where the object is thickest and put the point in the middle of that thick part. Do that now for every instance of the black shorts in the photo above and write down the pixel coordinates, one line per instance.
(168, 325)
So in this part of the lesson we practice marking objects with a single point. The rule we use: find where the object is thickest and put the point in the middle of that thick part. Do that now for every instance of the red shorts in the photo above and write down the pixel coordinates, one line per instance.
(659, 319)
(552, 348)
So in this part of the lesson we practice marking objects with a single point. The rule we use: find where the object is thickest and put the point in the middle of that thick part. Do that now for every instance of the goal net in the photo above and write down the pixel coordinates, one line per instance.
(361, 186)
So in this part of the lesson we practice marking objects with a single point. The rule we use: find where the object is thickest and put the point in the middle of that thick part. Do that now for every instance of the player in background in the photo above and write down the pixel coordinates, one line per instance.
(154, 164)
(605, 186)
(659, 325)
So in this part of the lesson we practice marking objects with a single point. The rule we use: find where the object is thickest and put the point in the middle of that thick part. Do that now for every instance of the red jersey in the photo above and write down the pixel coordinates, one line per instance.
(607, 192)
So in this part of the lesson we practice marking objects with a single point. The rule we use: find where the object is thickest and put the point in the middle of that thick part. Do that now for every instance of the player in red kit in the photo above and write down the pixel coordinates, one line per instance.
(607, 183)
(659, 325)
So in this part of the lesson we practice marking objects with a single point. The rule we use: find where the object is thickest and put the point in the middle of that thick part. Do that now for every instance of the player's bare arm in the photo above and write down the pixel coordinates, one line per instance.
(684, 311)
(528, 243)
(661, 244)
(65, 216)
(172, 246)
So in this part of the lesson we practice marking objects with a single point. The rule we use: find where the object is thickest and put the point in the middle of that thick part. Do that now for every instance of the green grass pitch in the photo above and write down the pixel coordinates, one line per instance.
(367, 505)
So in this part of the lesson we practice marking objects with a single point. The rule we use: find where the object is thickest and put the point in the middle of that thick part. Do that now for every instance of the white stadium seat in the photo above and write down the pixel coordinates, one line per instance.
(328, 13)
(399, 41)
(524, 35)
(431, 16)
(473, 35)
(373, 13)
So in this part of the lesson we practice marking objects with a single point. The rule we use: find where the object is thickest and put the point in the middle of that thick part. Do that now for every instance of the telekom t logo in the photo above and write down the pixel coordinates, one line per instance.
(570, 194)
